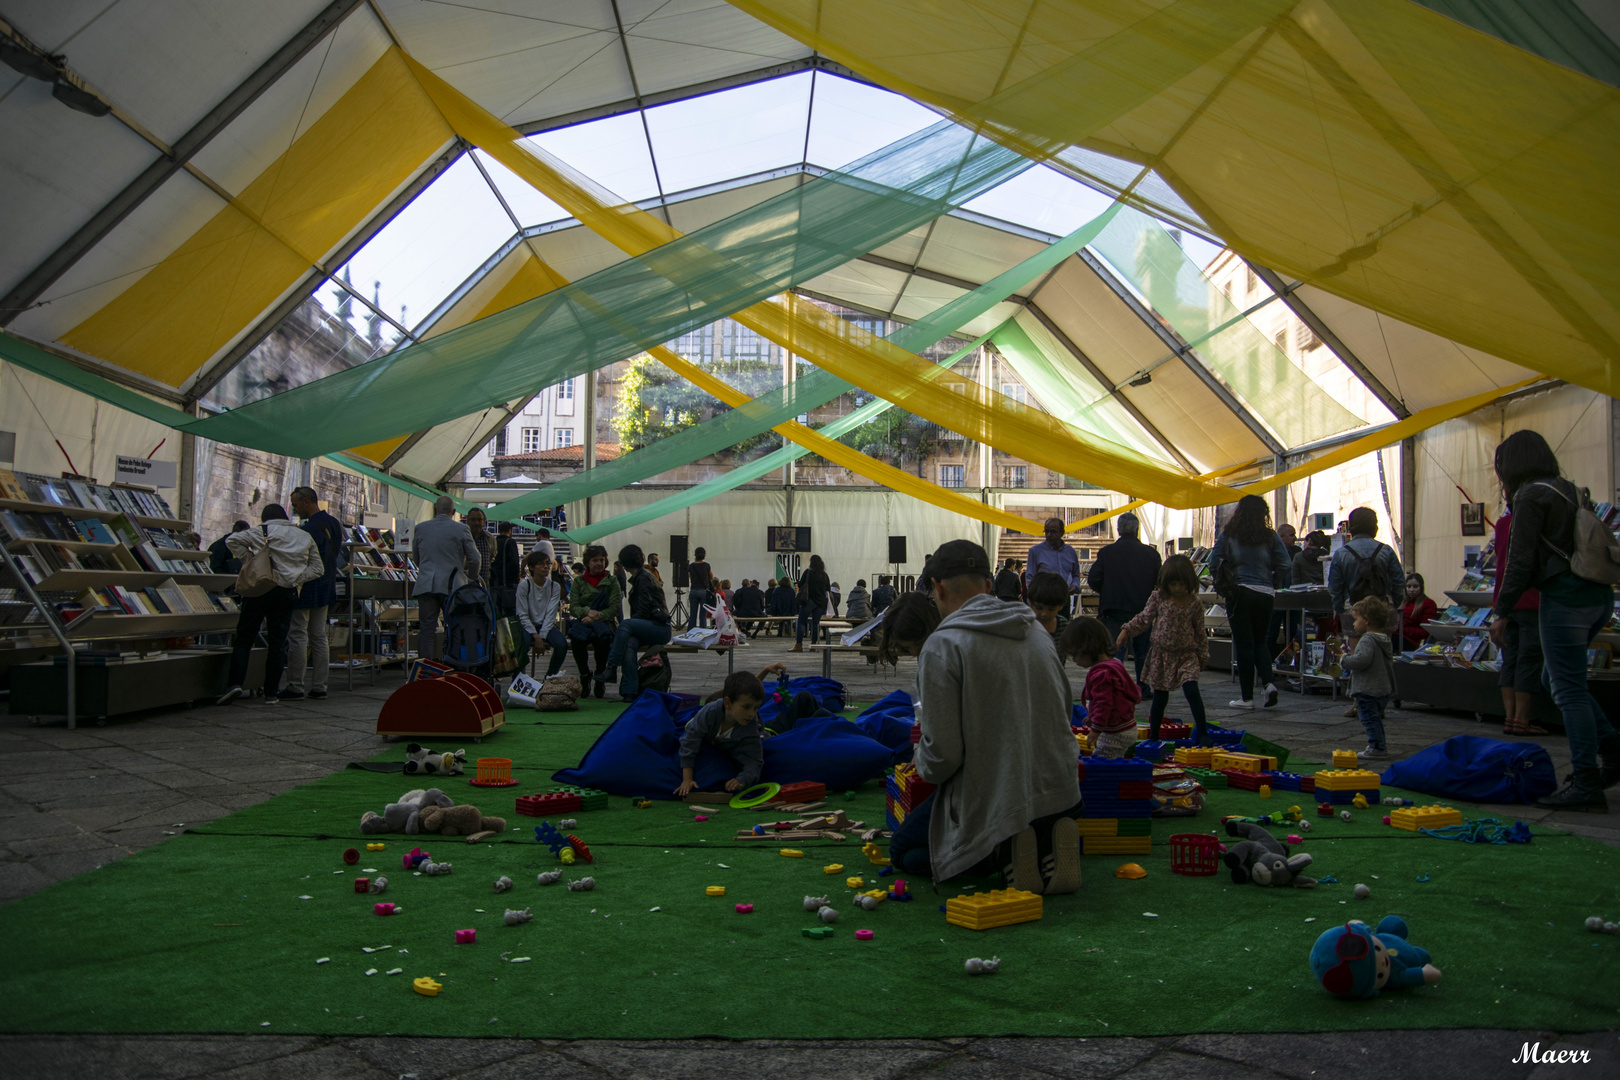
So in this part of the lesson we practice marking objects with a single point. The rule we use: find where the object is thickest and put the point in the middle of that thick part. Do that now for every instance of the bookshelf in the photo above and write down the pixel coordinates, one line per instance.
(378, 581)
(99, 575)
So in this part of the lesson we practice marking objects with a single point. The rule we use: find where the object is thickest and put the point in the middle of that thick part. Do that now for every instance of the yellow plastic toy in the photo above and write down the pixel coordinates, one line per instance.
(375, 847)
(998, 907)
(567, 856)
(854, 882)
(1265, 791)
(427, 987)
(834, 868)
(715, 890)
(791, 853)
(877, 894)
(1130, 870)
(1359, 802)
(1345, 759)
(1425, 817)
(874, 855)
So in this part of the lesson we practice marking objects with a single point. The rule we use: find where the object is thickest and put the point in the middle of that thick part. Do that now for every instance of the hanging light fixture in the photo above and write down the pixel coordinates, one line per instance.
(71, 91)
(23, 55)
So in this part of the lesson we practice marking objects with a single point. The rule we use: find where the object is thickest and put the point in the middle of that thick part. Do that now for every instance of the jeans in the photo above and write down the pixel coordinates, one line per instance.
(428, 609)
(308, 628)
(274, 610)
(1370, 710)
(1114, 621)
(559, 648)
(908, 847)
(627, 642)
(811, 615)
(1250, 616)
(1566, 632)
(696, 616)
(1195, 705)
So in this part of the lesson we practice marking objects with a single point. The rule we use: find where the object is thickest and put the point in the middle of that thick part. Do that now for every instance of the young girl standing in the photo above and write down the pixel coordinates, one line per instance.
(1179, 646)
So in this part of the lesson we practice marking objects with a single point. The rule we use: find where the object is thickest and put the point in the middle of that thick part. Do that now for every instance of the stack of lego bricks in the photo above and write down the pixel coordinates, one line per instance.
(904, 790)
(1222, 737)
(1341, 786)
(1291, 781)
(1210, 778)
(1244, 770)
(1425, 817)
(549, 803)
(998, 907)
(1201, 756)
(1118, 798)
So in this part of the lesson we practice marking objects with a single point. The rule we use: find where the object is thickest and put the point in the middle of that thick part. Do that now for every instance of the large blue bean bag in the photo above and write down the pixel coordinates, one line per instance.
(889, 720)
(639, 754)
(1477, 769)
(829, 695)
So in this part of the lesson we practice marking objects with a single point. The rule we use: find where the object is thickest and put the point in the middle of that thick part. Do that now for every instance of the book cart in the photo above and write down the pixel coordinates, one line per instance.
(379, 609)
(104, 577)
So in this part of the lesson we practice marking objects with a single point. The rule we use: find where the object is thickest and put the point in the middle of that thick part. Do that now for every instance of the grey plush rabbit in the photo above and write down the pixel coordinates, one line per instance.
(1263, 859)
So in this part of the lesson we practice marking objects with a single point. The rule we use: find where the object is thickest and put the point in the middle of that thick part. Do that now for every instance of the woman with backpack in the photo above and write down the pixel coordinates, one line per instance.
(1545, 545)
(1256, 564)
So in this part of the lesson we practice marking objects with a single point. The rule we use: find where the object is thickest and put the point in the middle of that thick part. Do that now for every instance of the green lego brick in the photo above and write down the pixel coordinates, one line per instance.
(1254, 744)
(1139, 826)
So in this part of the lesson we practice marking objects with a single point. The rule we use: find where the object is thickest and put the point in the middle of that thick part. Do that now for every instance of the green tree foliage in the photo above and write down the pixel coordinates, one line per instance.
(655, 403)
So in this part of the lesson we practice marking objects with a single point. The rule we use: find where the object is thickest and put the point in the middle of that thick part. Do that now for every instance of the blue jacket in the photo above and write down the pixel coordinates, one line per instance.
(327, 533)
(1345, 569)
(1266, 565)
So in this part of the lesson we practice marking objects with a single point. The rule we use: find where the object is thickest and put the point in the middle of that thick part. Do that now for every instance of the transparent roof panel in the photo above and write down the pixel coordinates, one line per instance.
(613, 152)
(1042, 199)
(849, 120)
(531, 207)
(750, 129)
(430, 247)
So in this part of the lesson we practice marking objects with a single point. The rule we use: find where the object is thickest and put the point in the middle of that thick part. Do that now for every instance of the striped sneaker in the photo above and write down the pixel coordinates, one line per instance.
(1060, 869)
(1024, 867)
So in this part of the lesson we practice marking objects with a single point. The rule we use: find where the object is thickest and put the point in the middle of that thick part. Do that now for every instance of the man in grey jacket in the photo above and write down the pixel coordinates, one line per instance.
(445, 558)
(994, 710)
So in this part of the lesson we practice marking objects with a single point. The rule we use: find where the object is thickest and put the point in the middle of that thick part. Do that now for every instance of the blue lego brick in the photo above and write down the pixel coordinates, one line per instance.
(1151, 749)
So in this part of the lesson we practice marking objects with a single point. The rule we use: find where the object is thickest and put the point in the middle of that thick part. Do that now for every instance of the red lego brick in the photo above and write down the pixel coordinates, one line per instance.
(1247, 781)
(1136, 789)
(803, 792)
(554, 802)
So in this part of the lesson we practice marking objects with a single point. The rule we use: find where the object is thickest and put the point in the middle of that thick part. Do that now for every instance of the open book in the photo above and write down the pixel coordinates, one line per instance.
(853, 637)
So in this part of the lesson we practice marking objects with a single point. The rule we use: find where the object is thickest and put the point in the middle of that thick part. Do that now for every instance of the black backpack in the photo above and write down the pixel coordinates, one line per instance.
(469, 618)
(1370, 578)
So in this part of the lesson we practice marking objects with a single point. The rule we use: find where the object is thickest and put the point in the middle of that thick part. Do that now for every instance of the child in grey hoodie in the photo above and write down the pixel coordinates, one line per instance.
(1372, 670)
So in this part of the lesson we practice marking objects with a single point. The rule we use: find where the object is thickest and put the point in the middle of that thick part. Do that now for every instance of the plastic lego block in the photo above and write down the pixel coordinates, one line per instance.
(1136, 789)
(998, 907)
(715, 890)
(1237, 759)
(833, 868)
(791, 853)
(426, 986)
(1287, 781)
(1346, 780)
(590, 798)
(1425, 817)
(1135, 827)
(466, 937)
(552, 802)
(383, 909)
(580, 849)
(818, 932)
(1208, 777)
(855, 882)
(1246, 781)
(1116, 845)
(1196, 755)
(1345, 759)
(745, 909)
(375, 846)
(863, 935)
(1098, 826)
(806, 791)
(362, 884)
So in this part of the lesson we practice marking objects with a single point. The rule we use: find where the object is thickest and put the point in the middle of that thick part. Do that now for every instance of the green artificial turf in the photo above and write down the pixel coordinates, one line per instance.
(207, 932)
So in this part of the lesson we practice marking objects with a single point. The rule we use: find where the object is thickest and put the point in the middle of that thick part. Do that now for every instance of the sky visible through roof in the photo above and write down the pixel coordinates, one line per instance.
(448, 231)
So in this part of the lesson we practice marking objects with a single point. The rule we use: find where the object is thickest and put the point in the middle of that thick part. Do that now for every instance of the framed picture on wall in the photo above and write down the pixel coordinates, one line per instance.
(1473, 519)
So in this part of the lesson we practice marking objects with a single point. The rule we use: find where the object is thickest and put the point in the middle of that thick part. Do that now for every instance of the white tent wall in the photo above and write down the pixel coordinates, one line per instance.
(729, 527)
(850, 530)
(1341, 489)
(1578, 423)
(42, 412)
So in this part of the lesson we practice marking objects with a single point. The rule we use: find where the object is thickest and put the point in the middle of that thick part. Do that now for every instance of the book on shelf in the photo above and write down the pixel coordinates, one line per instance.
(11, 488)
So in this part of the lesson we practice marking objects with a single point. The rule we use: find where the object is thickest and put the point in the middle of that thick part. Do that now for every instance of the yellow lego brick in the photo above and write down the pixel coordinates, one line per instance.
(1195, 755)
(1229, 759)
(1346, 780)
(1414, 818)
(998, 907)
(1116, 845)
(1345, 759)
(1104, 826)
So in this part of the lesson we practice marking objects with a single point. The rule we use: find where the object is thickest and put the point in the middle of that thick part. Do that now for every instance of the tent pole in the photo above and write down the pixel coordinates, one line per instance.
(1409, 501)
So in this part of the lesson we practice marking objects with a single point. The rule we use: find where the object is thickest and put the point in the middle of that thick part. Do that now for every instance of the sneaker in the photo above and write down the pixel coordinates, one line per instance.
(1271, 694)
(1582, 790)
(1241, 704)
(601, 689)
(229, 696)
(272, 699)
(317, 695)
(294, 695)
(1372, 753)
(1352, 712)
(1024, 868)
(1060, 871)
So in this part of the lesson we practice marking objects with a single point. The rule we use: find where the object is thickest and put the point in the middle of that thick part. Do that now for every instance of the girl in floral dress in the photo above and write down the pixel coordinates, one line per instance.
(1179, 647)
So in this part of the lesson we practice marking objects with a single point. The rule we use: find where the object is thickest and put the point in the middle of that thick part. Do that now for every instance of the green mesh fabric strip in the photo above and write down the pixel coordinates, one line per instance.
(1277, 390)
(799, 397)
(753, 470)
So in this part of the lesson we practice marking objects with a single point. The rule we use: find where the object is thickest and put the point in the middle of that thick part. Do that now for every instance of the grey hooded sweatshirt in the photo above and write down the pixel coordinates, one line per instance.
(995, 714)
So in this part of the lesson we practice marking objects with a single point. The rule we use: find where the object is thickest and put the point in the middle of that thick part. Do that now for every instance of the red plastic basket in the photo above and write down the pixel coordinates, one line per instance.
(1194, 854)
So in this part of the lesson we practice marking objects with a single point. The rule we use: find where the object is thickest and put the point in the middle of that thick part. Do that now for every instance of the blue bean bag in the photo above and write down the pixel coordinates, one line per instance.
(639, 754)
(1476, 769)
(889, 720)
(829, 695)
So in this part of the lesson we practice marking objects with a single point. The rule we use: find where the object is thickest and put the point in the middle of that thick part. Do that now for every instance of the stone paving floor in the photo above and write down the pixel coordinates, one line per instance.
(71, 801)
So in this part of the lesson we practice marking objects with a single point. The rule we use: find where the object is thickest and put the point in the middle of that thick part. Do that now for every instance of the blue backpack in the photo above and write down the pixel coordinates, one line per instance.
(1476, 769)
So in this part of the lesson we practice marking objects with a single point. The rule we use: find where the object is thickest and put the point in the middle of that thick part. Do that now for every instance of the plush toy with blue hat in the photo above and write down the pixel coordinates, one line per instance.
(1353, 961)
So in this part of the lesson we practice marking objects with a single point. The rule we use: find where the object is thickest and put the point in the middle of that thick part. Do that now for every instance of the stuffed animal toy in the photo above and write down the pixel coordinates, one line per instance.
(1263, 859)
(463, 820)
(405, 815)
(419, 760)
(1353, 961)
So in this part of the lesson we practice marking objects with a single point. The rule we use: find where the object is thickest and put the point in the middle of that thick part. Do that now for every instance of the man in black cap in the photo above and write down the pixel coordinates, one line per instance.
(994, 711)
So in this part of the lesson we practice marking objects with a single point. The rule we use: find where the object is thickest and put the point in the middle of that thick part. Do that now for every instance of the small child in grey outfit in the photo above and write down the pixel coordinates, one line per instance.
(1372, 670)
(730, 723)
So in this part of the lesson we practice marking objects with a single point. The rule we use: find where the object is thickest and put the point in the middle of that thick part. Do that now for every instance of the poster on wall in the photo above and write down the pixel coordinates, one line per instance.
(1473, 519)
(158, 474)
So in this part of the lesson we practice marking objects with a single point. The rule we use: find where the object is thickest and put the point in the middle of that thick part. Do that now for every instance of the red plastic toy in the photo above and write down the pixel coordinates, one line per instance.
(1194, 854)
(863, 935)
(701, 817)
(803, 791)
(745, 909)
(552, 802)
(362, 884)
(1324, 809)
(384, 909)
(351, 856)
(417, 855)
(580, 849)
(466, 937)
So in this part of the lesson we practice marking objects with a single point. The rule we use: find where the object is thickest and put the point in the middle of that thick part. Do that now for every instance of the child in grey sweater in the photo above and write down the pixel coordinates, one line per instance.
(730, 723)
(1372, 670)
